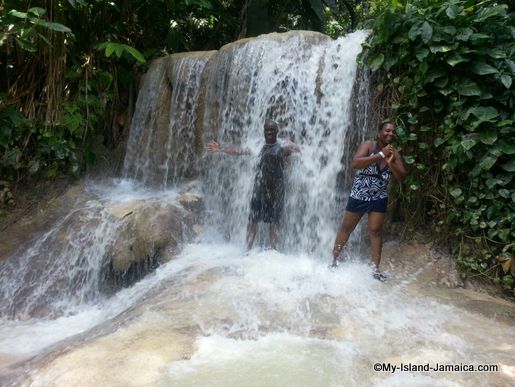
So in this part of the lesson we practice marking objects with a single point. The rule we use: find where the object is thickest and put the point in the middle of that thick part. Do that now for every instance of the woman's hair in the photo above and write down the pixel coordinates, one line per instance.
(383, 124)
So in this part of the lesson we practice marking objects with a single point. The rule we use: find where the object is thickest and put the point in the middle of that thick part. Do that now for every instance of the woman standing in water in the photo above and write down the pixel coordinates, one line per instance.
(375, 162)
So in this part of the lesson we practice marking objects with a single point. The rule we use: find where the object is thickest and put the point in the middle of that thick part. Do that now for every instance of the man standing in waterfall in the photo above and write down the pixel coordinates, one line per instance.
(375, 162)
(267, 199)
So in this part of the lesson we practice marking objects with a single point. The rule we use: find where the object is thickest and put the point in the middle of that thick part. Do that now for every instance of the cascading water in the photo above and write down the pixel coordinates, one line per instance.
(306, 87)
(164, 141)
(215, 314)
(63, 268)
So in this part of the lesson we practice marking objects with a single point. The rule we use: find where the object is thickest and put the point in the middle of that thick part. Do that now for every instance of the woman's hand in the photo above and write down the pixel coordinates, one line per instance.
(388, 150)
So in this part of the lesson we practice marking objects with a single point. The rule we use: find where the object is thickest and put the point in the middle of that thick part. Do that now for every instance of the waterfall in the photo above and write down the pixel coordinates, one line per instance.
(305, 83)
(164, 140)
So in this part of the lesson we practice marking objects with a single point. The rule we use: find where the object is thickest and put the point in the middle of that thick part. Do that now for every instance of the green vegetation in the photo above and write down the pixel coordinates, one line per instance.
(449, 68)
(69, 67)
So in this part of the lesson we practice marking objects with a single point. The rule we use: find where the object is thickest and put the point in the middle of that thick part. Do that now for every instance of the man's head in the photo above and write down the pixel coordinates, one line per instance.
(270, 130)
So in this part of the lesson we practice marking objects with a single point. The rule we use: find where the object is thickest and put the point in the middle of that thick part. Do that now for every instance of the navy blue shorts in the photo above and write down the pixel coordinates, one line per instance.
(363, 206)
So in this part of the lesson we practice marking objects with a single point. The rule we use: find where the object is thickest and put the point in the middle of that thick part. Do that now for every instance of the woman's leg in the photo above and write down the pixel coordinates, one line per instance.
(350, 220)
(375, 231)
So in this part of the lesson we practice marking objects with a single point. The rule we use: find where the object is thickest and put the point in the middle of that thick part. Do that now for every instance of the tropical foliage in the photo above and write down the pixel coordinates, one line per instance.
(69, 66)
(449, 67)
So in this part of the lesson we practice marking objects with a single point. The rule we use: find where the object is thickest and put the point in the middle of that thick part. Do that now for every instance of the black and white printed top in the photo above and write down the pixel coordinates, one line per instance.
(371, 183)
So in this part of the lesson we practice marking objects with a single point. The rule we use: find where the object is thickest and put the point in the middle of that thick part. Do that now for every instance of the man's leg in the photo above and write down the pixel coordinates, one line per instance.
(251, 234)
(273, 235)
(350, 220)
(375, 230)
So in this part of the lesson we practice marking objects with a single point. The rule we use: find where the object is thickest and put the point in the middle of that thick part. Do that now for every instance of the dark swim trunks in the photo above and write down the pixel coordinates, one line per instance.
(268, 194)
(266, 208)
(365, 206)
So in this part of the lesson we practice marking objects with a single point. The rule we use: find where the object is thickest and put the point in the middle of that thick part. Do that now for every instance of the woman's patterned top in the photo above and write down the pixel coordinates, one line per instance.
(371, 183)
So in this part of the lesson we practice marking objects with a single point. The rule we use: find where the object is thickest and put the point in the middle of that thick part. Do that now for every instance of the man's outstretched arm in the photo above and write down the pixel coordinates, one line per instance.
(290, 147)
(214, 147)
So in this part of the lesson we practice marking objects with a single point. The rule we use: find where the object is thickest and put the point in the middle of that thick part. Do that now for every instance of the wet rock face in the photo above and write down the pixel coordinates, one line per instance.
(95, 250)
(151, 232)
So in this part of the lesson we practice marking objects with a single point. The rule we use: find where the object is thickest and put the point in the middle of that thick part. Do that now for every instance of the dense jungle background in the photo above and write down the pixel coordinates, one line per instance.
(443, 70)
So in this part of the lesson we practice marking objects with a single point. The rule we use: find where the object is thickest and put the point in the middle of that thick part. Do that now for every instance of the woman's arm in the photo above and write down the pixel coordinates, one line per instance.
(397, 166)
(363, 158)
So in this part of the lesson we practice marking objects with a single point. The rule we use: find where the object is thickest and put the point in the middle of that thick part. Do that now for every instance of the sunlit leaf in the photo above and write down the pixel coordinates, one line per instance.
(110, 47)
(18, 14)
(38, 11)
(456, 192)
(506, 80)
(439, 48)
(454, 59)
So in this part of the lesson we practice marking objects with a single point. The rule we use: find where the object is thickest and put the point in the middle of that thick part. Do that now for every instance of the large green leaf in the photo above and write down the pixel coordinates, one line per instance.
(135, 53)
(426, 32)
(468, 143)
(18, 14)
(421, 54)
(376, 61)
(456, 192)
(488, 12)
(487, 162)
(483, 68)
(509, 166)
(483, 113)
(439, 48)
(453, 59)
(468, 88)
(506, 80)
(464, 34)
(51, 26)
(38, 11)
(507, 147)
(488, 136)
